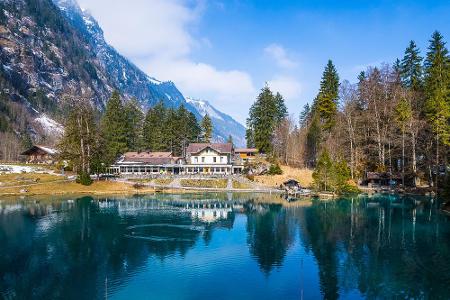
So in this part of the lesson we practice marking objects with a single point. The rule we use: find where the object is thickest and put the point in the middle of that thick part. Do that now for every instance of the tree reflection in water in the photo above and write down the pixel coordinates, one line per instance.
(270, 234)
(383, 247)
(378, 247)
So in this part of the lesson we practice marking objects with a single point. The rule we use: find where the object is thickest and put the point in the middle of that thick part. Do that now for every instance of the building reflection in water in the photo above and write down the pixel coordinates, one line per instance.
(379, 247)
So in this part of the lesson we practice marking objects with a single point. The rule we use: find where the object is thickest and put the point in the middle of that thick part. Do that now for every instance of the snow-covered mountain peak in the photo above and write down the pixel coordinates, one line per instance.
(204, 108)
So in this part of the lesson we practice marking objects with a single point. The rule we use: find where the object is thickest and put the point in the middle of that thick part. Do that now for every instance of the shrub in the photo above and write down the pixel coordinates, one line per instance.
(84, 178)
(275, 170)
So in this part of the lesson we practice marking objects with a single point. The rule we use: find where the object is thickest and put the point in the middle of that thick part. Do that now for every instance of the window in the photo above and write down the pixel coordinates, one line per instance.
(221, 159)
(203, 159)
(196, 159)
(214, 159)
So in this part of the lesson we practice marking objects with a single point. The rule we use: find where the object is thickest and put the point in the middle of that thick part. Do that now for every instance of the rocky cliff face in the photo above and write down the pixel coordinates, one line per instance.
(50, 50)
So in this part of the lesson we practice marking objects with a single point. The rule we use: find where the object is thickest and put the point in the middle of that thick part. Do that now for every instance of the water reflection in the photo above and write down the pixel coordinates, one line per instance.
(377, 247)
(270, 234)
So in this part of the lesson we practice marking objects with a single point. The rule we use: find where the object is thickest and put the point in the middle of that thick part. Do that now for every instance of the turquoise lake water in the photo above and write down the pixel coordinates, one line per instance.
(224, 246)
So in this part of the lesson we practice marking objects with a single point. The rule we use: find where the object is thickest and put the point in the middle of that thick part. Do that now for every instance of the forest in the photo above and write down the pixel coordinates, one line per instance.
(93, 141)
(395, 119)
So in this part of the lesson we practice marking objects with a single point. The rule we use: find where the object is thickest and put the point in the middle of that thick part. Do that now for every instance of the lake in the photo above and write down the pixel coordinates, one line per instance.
(224, 246)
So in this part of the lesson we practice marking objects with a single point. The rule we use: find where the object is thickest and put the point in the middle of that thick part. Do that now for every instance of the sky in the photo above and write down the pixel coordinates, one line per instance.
(225, 51)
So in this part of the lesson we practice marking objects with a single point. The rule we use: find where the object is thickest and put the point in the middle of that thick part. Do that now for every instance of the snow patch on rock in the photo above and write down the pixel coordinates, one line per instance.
(204, 108)
(50, 126)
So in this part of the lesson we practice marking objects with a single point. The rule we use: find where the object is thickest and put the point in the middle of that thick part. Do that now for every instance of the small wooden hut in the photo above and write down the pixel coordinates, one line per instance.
(39, 154)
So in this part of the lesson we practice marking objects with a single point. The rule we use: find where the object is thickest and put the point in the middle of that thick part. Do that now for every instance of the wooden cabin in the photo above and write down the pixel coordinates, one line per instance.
(292, 184)
(39, 154)
(374, 179)
(246, 154)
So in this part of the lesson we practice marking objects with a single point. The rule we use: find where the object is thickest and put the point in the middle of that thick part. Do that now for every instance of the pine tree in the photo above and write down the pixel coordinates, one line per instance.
(313, 140)
(280, 109)
(323, 172)
(265, 115)
(327, 99)
(186, 128)
(249, 136)
(114, 128)
(195, 129)
(437, 92)
(154, 132)
(437, 89)
(134, 124)
(411, 73)
(170, 130)
(305, 116)
(207, 128)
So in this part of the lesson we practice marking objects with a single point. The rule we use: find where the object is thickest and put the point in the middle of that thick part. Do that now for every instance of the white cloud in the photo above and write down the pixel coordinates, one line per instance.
(225, 89)
(143, 28)
(280, 56)
(157, 36)
(287, 86)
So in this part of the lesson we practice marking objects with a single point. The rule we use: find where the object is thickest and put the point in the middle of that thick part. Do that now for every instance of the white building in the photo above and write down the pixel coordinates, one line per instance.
(210, 158)
(201, 159)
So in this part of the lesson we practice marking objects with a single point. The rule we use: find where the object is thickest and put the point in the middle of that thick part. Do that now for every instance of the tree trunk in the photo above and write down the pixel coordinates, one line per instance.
(88, 133)
(437, 163)
(403, 157)
(414, 159)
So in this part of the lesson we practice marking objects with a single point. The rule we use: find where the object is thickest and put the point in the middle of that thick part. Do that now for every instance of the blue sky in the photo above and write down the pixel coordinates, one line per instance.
(225, 51)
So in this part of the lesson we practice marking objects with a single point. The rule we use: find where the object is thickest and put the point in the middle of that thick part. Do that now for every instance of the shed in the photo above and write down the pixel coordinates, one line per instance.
(292, 184)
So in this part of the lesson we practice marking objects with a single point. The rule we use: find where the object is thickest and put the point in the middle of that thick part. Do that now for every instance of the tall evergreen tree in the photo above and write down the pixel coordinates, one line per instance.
(437, 93)
(411, 72)
(265, 115)
(187, 130)
(134, 123)
(195, 129)
(437, 87)
(249, 135)
(207, 128)
(154, 132)
(305, 115)
(114, 128)
(280, 108)
(171, 124)
(327, 99)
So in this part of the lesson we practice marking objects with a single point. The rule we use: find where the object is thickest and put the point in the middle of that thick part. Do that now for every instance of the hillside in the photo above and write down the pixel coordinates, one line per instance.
(50, 51)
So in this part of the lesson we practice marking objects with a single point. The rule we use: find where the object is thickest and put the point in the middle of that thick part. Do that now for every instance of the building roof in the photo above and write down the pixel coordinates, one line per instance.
(153, 158)
(219, 147)
(147, 154)
(291, 181)
(40, 149)
(246, 150)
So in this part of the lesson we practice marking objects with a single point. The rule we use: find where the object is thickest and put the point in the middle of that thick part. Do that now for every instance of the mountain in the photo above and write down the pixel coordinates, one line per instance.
(122, 74)
(224, 125)
(52, 50)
